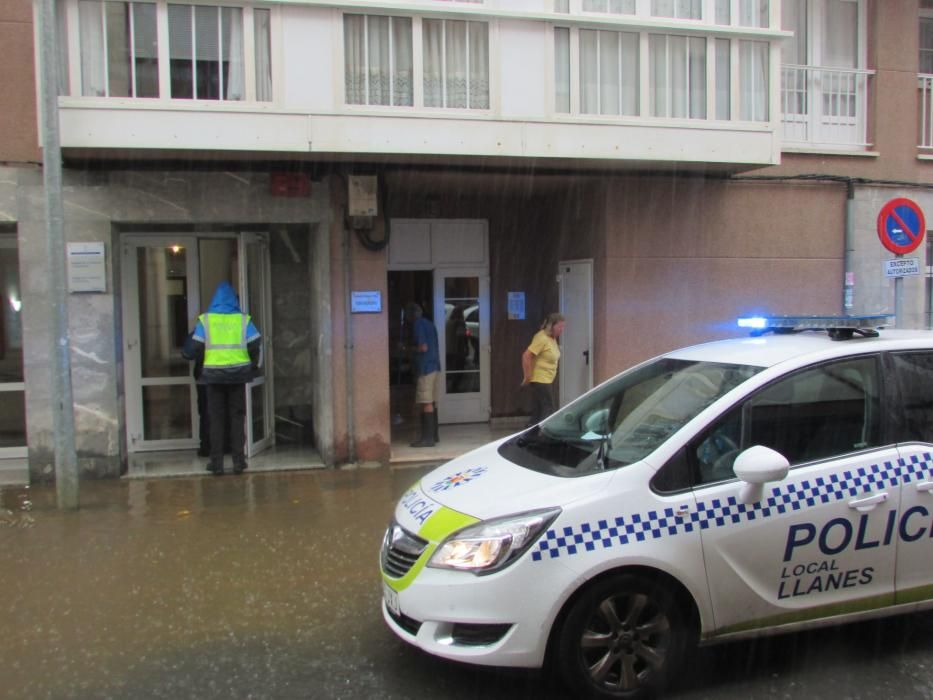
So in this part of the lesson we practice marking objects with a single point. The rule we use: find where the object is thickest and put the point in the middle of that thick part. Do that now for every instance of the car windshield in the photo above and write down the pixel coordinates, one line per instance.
(626, 419)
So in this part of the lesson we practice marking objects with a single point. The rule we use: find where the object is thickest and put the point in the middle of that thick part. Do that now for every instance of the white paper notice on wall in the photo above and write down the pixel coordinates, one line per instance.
(87, 267)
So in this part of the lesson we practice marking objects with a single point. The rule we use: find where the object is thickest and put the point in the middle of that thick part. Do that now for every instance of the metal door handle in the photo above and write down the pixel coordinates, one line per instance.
(868, 503)
(925, 486)
(586, 356)
(682, 512)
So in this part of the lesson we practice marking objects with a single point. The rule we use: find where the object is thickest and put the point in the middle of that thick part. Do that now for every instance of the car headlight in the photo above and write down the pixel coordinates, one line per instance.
(492, 545)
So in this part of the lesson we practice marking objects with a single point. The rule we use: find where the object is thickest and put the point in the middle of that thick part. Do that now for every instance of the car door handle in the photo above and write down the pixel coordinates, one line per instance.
(925, 486)
(869, 502)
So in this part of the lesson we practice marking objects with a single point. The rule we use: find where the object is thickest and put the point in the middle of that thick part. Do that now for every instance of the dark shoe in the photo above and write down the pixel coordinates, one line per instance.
(428, 426)
(239, 468)
(215, 469)
(204, 451)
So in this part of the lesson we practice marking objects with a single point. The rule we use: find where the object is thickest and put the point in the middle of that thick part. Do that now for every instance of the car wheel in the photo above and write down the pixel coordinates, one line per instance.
(623, 638)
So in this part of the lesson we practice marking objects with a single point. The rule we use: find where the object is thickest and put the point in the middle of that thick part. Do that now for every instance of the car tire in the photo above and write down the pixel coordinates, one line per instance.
(624, 637)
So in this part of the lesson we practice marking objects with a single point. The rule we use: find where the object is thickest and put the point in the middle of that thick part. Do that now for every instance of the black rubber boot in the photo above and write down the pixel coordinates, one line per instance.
(428, 424)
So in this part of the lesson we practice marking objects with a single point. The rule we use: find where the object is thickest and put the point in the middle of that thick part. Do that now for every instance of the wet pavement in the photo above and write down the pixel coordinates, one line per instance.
(267, 586)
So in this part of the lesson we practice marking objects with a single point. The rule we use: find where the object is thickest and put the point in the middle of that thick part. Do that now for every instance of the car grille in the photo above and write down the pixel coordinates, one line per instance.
(408, 624)
(400, 551)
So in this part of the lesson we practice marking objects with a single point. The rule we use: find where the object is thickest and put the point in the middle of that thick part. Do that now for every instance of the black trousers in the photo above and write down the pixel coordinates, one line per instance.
(542, 402)
(226, 406)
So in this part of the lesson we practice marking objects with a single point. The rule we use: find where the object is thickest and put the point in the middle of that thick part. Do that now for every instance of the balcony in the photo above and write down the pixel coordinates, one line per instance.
(825, 109)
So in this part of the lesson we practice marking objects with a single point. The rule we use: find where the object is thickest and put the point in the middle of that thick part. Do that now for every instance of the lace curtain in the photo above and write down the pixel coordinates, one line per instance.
(378, 60)
(456, 64)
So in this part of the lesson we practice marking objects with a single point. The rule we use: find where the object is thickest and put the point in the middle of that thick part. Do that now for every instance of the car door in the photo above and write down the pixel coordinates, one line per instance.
(914, 527)
(816, 543)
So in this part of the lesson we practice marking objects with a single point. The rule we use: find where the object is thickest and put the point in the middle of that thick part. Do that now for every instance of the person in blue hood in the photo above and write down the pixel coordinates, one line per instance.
(229, 345)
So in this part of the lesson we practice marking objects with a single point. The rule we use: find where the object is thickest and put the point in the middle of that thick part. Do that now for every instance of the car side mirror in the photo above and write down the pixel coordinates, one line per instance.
(756, 466)
(598, 422)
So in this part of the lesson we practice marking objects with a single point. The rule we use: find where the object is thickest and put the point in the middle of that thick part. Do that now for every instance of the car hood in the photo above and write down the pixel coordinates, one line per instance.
(481, 485)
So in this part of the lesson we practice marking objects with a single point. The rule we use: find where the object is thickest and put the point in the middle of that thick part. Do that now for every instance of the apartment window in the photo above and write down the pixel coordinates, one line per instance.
(926, 45)
(456, 64)
(754, 13)
(678, 76)
(206, 52)
(608, 72)
(723, 12)
(378, 60)
(119, 49)
(678, 9)
(615, 7)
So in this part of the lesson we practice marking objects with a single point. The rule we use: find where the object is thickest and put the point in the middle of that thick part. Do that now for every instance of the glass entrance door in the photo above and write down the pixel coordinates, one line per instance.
(161, 295)
(463, 337)
(168, 281)
(12, 386)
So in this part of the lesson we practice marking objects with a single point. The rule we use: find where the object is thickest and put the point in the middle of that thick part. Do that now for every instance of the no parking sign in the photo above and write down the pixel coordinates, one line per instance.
(901, 225)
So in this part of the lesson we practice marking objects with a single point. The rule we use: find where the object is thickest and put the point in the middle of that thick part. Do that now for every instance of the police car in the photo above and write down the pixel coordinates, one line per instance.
(719, 492)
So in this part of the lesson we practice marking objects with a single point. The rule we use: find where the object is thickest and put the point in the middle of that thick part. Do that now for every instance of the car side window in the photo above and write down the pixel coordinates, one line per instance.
(820, 412)
(914, 372)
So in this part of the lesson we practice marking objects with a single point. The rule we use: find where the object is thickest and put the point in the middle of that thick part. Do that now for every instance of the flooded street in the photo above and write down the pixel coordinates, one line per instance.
(267, 586)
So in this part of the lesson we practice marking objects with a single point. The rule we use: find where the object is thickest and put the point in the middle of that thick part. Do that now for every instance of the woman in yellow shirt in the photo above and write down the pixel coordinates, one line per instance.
(539, 367)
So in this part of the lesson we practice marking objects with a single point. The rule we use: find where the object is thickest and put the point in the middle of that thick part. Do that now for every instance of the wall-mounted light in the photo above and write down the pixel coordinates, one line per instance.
(16, 304)
(176, 249)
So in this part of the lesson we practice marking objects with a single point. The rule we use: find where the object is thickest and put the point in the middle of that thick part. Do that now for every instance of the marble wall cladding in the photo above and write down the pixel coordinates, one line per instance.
(98, 206)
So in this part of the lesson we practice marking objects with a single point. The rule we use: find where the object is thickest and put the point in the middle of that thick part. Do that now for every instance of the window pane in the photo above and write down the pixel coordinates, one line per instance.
(723, 79)
(181, 57)
(354, 59)
(90, 16)
(794, 19)
(753, 13)
(926, 44)
(118, 49)
(167, 412)
(609, 77)
(146, 49)
(403, 77)
(697, 48)
(456, 74)
(658, 90)
(163, 310)
(378, 58)
(562, 69)
(479, 65)
(819, 413)
(840, 34)
(11, 318)
(753, 67)
(232, 76)
(723, 12)
(589, 71)
(915, 383)
(561, 5)
(207, 52)
(262, 30)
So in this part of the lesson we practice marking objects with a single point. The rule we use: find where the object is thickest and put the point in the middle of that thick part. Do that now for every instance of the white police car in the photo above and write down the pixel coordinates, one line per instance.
(718, 492)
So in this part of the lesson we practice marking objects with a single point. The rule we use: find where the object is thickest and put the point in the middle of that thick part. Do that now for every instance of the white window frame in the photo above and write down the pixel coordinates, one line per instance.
(75, 78)
(417, 63)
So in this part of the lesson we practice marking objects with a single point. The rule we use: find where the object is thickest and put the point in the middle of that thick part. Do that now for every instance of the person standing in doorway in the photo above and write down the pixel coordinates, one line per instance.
(539, 367)
(229, 345)
(427, 366)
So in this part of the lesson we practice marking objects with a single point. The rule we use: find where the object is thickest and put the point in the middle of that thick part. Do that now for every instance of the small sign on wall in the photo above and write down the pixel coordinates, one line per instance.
(87, 267)
(366, 302)
(516, 306)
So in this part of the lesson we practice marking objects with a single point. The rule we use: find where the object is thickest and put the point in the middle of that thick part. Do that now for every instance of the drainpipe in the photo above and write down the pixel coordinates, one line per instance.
(63, 418)
(348, 348)
(848, 284)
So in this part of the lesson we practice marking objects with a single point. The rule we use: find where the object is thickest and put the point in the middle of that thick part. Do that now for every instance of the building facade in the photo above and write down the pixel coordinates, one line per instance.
(652, 168)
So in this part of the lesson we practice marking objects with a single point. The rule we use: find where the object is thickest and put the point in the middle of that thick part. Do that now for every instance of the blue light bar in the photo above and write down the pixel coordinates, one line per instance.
(839, 327)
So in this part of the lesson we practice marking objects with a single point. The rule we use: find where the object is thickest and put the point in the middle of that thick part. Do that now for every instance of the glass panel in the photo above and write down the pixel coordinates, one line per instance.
(403, 70)
(753, 13)
(562, 69)
(263, 46)
(91, 23)
(753, 65)
(723, 12)
(840, 34)
(433, 38)
(479, 65)
(379, 66)
(258, 401)
(118, 49)
(256, 283)
(462, 335)
(180, 54)
(926, 44)
(163, 310)
(915, 381)
(13, 419)
(11, 318)
(794, 19)
(219, 262)
(167, 412)
(609, 72)
(146, 50)
(456, 78)
(723, 79)
(561, 5)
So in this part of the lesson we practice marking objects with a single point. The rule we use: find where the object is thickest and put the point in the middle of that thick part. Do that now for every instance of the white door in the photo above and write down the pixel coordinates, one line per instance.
(255, 293)
(576, 342)
(161, 295)
(461, 316)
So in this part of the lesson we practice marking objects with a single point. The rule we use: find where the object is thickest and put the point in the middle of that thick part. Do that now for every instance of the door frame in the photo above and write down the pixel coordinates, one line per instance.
(574, 326)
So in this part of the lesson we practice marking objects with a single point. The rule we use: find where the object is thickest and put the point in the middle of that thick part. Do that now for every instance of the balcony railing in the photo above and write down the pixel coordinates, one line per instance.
(825, 107)
(925, 86)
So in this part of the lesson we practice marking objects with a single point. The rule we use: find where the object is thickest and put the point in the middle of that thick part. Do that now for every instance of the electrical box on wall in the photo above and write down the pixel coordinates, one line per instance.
(362, 197)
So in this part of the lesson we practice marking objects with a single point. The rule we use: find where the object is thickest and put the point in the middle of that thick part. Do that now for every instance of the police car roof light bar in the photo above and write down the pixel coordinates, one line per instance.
(838, 327)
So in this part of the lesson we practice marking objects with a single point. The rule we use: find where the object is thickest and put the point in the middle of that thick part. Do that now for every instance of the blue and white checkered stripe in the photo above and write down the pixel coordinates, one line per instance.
(718, 512)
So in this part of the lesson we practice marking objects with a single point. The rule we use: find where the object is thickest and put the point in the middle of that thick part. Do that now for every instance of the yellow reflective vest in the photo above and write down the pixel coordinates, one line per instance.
(225, 340)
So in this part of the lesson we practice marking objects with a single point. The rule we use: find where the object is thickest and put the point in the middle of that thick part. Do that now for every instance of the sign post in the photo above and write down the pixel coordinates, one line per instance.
(901, 226)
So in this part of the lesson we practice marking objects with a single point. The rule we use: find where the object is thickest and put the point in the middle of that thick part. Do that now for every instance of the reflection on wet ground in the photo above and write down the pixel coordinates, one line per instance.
(267, 586)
